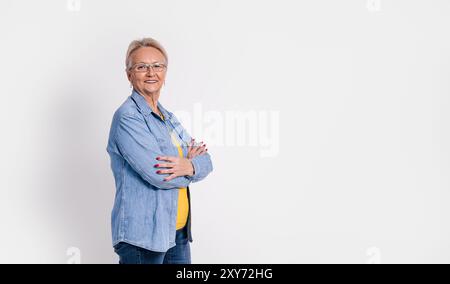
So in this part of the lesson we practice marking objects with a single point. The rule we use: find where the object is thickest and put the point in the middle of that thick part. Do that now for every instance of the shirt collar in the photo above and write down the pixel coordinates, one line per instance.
(146, 109)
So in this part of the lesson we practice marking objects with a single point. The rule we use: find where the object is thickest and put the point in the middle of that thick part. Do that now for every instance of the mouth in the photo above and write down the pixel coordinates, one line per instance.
(151, 81)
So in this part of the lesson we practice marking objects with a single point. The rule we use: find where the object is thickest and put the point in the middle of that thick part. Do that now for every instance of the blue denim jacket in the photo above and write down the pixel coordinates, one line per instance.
(145, 206)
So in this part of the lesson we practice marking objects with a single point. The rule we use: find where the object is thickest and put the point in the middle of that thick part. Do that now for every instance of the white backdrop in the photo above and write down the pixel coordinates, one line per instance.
(328, 124)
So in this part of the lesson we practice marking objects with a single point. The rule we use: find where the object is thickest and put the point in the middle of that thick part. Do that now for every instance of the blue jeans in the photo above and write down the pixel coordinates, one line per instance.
(179, 254)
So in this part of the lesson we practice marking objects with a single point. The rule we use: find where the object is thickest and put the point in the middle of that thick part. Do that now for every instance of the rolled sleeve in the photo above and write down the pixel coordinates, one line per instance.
(202, 167)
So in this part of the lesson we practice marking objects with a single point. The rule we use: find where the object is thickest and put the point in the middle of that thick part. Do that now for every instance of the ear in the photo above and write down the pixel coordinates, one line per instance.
(129, 75)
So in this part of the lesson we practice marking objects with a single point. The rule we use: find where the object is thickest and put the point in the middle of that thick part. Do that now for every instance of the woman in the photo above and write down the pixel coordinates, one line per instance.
(153, 160)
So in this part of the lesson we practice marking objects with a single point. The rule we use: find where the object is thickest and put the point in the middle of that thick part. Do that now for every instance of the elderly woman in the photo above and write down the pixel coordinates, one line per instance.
(153, 160)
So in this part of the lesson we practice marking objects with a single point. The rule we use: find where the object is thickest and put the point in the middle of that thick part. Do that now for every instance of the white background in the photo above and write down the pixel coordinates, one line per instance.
(362, 90)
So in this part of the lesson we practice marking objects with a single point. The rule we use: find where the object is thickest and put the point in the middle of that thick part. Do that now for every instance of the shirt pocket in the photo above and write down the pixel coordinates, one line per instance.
(163, 144)
(167, 147)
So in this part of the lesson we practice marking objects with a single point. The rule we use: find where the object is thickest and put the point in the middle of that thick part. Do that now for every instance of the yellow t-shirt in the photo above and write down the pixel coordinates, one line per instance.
(183, 203)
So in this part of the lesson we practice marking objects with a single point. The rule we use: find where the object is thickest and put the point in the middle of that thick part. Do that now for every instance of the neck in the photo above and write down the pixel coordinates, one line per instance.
(152, 100)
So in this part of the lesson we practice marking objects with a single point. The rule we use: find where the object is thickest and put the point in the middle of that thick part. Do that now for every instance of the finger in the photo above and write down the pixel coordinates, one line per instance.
(190, 145)
(162, 172)
(200, 148)
(191, 150)
(198, 145)
(166, 158)
(172, 176)
(164, 165)
(202, 151)
(194, 151)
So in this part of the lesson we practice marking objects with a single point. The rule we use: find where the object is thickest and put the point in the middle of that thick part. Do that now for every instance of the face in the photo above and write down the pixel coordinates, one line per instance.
(149, 81)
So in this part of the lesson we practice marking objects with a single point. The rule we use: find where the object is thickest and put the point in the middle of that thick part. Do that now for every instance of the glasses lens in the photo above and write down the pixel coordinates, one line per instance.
(140, 68)
(158, 67)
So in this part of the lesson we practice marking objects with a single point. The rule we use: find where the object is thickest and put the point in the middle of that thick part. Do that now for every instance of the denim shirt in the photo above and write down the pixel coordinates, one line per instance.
(145, 207)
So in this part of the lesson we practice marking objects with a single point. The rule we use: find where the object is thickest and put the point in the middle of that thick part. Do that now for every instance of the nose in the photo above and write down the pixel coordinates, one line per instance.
(150, 72)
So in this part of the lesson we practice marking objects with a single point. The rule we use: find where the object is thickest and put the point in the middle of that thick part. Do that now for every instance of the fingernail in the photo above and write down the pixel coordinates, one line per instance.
(157, 165)
(158, 172)
(157, 158)
(164, 179)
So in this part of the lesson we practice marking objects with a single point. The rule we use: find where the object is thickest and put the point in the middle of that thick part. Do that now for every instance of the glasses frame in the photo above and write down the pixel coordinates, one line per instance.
(148, 67)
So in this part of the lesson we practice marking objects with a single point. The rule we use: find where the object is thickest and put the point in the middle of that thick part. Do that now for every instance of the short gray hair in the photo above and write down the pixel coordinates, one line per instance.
(145, 42)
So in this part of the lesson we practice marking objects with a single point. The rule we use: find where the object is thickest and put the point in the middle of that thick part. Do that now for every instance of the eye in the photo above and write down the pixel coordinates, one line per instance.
(141, 67)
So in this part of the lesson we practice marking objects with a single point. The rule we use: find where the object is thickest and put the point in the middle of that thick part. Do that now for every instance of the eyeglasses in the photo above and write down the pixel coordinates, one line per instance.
(144, 67)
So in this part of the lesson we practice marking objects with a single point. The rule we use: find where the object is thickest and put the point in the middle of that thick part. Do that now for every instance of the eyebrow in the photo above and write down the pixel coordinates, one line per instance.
(151, 62)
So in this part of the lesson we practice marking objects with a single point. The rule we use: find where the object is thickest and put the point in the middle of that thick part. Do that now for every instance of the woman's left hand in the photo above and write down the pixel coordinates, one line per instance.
(178, 167)
(196, 150)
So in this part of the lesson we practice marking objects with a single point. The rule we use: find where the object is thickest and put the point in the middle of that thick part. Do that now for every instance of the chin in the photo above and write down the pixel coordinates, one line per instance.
(152, 90)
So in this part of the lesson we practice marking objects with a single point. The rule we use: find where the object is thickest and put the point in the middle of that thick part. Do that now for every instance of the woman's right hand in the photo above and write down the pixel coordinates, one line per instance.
(196, 150)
